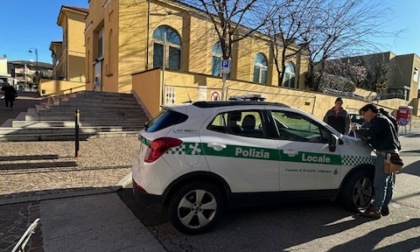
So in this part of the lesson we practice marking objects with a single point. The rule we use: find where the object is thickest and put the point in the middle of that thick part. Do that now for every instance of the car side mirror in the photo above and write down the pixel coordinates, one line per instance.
(332, 142)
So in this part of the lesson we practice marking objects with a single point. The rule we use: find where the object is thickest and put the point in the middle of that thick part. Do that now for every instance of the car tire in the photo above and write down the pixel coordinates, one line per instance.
(195, 208)
(357, 191)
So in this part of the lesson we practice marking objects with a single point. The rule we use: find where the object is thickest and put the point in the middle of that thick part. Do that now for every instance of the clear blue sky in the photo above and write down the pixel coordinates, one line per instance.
(405, 17)
(26, 24)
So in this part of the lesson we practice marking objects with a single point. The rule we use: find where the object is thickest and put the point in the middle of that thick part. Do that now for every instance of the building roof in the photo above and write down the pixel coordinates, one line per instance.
(64, 8)
(31, 64)
(81, 9)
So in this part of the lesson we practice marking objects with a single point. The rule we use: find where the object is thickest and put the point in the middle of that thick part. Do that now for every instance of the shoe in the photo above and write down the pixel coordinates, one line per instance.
(385, 211)
(371, 212)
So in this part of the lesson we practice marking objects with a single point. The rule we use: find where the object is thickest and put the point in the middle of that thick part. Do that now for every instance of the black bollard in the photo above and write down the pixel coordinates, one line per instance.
(76, 127)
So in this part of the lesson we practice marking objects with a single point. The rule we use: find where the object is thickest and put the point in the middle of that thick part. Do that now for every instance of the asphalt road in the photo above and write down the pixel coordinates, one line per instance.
(309, 226)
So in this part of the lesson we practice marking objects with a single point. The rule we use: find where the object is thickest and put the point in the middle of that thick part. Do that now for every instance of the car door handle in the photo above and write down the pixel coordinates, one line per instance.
(290, 152)
(217, 146)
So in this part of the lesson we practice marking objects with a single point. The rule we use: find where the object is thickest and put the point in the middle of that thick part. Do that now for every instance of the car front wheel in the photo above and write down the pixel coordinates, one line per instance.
(357, 191)
(195, 208)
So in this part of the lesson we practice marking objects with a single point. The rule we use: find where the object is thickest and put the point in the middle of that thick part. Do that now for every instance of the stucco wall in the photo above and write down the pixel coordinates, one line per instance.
(59, 87)
(184, 87)
(147, 86)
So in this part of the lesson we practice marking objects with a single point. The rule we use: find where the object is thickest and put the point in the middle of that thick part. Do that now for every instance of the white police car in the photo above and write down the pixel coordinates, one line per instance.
(196, 160)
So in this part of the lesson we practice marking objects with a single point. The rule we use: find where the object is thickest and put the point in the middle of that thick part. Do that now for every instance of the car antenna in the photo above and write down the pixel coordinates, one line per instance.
(189, 98)
(188, 93)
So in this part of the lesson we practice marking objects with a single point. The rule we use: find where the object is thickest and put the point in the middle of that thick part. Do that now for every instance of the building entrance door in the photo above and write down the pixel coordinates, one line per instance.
(98, 74)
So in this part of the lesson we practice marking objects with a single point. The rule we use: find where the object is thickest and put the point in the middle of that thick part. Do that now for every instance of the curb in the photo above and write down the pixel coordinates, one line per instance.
(124, 182)
(32, 198)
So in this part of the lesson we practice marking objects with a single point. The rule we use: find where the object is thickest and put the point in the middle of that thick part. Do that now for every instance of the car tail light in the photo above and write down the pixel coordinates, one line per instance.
(159, 146)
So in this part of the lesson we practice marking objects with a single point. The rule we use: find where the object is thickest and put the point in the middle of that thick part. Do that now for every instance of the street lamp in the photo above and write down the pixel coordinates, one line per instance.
(36, 56)
(32, 49)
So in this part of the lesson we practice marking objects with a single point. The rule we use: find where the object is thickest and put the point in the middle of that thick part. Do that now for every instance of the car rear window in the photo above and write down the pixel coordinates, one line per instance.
(165, 119)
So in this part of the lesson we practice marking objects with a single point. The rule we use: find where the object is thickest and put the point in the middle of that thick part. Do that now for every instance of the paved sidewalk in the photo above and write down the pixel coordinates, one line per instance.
(41, 180)
(75, 198)
(24, 101)
(93, 223)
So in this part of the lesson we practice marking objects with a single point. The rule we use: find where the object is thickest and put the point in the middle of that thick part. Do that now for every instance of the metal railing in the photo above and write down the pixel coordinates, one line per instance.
(20, 246)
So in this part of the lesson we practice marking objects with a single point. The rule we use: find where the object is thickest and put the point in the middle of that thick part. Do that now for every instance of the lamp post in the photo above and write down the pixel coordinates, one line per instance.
(32, 49)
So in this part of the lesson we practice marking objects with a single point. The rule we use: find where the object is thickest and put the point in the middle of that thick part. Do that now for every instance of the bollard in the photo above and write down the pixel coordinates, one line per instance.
(76, 127)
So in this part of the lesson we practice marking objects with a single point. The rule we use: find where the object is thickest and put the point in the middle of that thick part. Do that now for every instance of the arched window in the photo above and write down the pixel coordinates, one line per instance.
(260, 68)
(216, 60)
(289, 75)
(172, 44)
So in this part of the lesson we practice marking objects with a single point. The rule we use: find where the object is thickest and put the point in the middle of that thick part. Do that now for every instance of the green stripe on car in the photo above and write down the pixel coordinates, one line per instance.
(250, 152)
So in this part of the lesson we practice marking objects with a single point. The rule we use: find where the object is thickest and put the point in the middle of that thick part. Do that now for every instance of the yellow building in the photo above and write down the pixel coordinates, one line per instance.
(69, 55)
(125, 37)
(165, 52)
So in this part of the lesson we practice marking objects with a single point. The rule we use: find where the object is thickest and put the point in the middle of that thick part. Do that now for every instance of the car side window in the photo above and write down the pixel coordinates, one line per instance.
(165, 119)
(241, 123)
(296, 127)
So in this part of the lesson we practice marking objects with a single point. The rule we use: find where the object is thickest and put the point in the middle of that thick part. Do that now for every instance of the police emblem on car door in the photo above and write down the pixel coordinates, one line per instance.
(305, 159)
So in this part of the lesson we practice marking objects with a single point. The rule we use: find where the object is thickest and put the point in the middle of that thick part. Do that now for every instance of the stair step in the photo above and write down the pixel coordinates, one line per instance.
(42, 124)
(101, 115)
(98, 107)
(71, 124)
(67, 130)
(63, 137)
(87, 119)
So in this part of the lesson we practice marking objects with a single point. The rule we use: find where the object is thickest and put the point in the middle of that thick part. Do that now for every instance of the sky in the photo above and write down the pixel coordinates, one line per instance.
(32, 24)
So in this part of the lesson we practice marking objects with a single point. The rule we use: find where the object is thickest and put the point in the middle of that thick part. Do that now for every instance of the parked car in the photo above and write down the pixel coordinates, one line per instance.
(356, 118)
(196, 160)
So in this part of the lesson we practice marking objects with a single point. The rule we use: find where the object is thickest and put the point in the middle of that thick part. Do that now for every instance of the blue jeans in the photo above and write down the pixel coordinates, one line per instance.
(383, 183)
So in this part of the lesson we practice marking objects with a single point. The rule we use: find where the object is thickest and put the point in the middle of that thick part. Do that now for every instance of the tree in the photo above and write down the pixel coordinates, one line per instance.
(285, 27)
(352, 69)
(325, 29)
(335, 82)
(230, 17)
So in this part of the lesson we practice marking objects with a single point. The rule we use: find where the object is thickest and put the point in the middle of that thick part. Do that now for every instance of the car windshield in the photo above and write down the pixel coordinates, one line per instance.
(296, 127)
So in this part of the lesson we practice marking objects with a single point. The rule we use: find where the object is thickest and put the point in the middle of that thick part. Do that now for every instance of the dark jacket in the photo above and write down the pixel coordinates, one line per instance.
(9, 92)
(381, 134)
(339, 120)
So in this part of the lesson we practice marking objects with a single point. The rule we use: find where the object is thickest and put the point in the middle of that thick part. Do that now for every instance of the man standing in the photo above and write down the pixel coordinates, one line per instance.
(382, 136)
(9, 94)
(95, 84)
(338, 118)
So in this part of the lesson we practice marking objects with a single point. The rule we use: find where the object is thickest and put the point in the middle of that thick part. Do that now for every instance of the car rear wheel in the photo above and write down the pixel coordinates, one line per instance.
(195, 208)
(357, 191)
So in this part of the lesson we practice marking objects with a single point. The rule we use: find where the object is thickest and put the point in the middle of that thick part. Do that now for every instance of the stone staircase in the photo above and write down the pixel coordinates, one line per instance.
(102, 114)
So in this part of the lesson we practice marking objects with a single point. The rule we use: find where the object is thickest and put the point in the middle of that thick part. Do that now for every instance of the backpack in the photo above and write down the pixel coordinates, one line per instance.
(394, 123)
(390, 118)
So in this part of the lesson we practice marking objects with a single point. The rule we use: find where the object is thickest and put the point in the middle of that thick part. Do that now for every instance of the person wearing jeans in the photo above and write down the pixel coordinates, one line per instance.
(383, 137)
(383, 184)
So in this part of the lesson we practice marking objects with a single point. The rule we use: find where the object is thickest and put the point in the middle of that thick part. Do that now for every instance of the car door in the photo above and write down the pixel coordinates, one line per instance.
(306, 163)
(240, 152)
